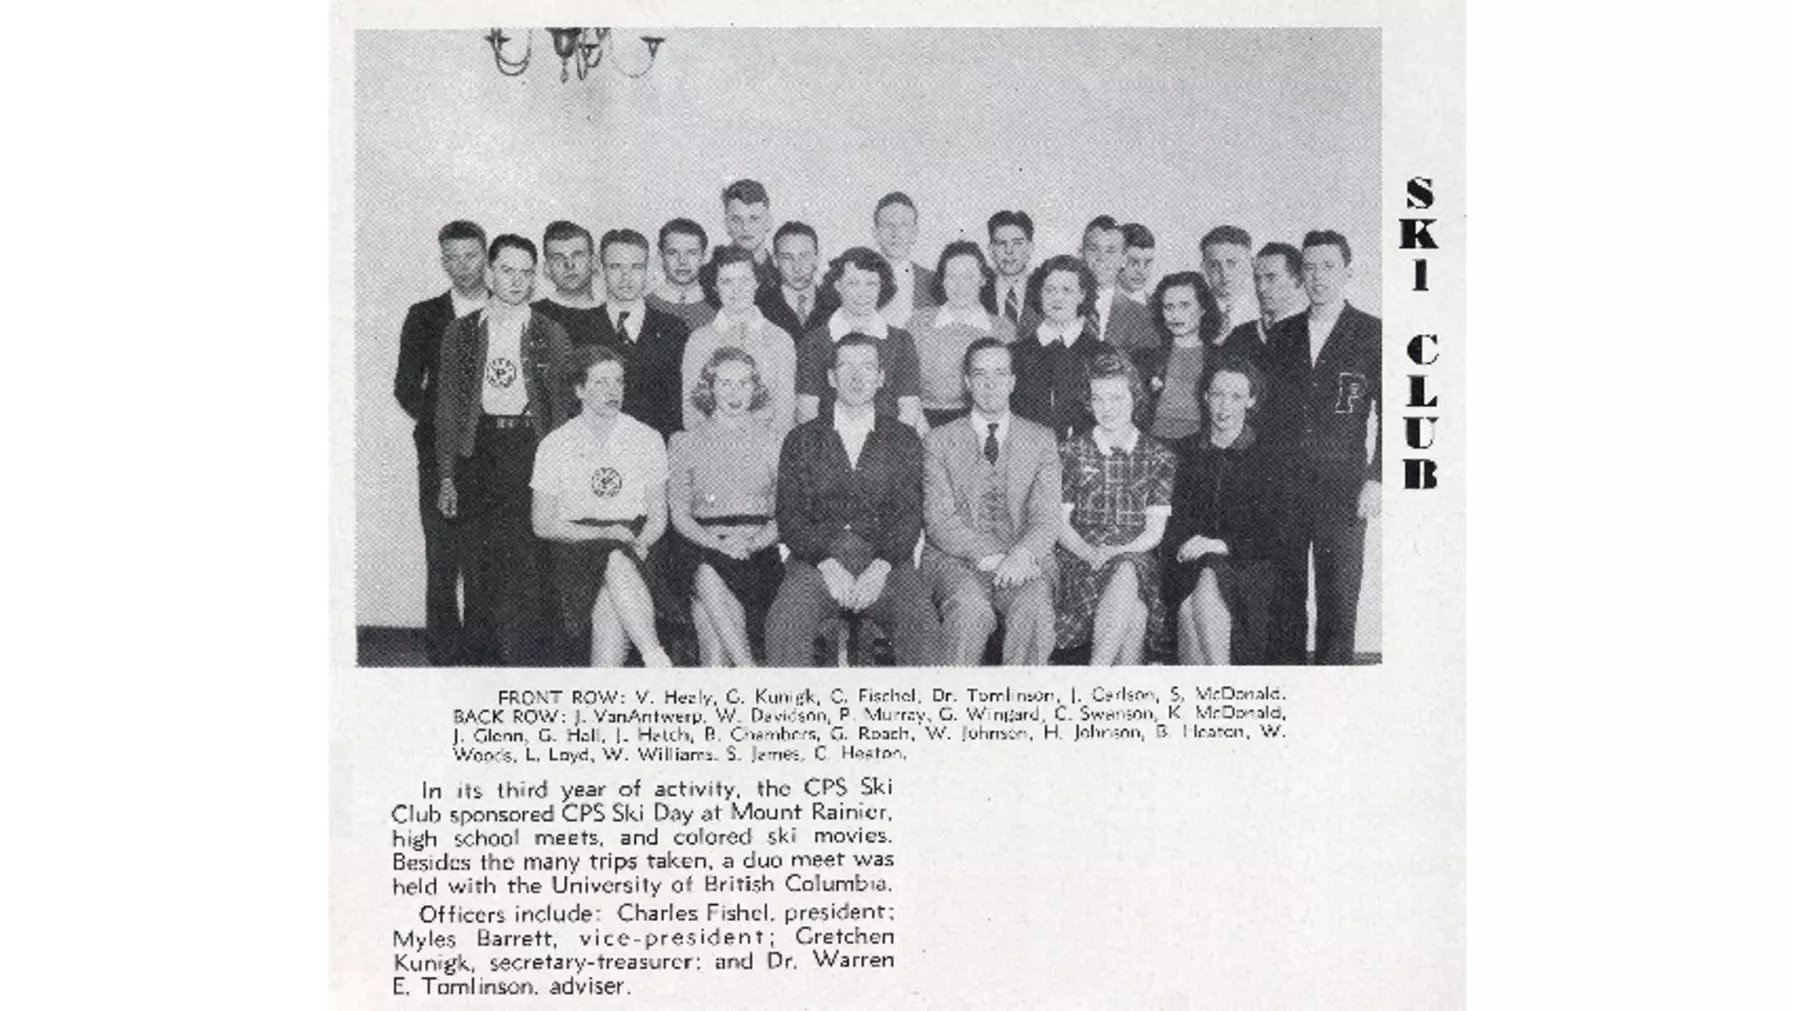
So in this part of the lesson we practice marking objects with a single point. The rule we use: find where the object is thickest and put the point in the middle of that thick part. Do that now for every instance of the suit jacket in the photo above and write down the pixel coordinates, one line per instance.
(1130, 326)
(1245, 341)
(829, 508)
(652, 359)
(547, 374)
(778, 312)
(954, 465)
(1024, 321)
(1321, 408)
(420, 347)
(922, 297)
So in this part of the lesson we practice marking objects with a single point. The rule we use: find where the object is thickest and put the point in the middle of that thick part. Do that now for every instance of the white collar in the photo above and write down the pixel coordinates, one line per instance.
(839, 327)
(981, 426)
(1101, 438)
(1105, 297)
(902, 268)
(975, 317)
(1049, 332)
(844, 424)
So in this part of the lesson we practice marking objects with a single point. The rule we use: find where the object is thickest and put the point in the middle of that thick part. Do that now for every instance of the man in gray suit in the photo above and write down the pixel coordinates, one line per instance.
(991, 503)
(1121, 322)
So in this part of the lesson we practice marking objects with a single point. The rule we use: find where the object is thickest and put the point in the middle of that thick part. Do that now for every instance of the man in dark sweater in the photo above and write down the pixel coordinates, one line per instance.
(651, 342)
(1326, 367)
(1277, 278)
(463, 246)
(567, 260)
(850, 510)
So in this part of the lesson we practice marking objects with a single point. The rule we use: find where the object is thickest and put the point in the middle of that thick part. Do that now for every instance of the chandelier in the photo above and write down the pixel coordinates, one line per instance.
(582, 49)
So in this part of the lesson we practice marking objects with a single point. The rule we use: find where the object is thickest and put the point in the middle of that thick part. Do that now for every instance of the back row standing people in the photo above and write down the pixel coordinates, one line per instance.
(505, 383)
(415, 384)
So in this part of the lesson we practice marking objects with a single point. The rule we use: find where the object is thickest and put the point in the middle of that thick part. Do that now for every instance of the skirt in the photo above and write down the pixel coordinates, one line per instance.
(753, 580)
(1080, 587)
(1246, 587)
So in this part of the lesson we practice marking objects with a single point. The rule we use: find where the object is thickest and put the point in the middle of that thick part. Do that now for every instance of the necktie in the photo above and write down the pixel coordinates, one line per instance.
(990, 444)
(623, 324)
(1011, 306)
(803, 307)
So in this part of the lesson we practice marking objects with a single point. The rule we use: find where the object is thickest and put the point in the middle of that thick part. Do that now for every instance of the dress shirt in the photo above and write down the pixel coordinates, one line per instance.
(1320, 327)
(903, 303)
(792, 296)
(638, 317)
(853, 432)
(1018, 285)
(981, 424)
(1105, 303)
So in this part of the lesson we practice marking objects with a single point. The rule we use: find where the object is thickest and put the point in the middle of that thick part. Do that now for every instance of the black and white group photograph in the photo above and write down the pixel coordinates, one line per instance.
(867, 347)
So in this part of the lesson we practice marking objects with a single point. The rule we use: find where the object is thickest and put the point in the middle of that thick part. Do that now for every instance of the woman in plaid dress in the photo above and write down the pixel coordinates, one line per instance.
(1117, 482)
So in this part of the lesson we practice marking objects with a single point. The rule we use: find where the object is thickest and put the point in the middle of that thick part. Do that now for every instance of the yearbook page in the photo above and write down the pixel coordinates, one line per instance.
(925, 506)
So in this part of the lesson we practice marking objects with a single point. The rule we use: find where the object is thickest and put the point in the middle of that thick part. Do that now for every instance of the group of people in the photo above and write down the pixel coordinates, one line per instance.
(987, 460)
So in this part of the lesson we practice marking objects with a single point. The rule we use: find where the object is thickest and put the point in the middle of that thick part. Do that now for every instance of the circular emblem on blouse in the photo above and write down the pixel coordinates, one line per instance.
(606, 482)
(501, 372)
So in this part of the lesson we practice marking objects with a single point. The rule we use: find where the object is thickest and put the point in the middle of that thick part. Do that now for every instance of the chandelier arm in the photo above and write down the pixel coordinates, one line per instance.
(507, 66)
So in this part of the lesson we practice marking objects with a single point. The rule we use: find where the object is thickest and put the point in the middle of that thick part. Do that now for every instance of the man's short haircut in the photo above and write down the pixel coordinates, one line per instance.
(1225, 235)
(1070, 264)
(510, 241)
(897, 199)
(684, 226)
(857, 340)
(587, 357)
(937, 289)
(985, 344)
(1327, 237)
(623, 237)
(1292, 257)
(1208, 326)
(1136, 236)
(461, 229)
(1102, 222)
(862, 258)
(1019, 219)
(560, 231)
(747, 191)
(703, 394)
(793, 229)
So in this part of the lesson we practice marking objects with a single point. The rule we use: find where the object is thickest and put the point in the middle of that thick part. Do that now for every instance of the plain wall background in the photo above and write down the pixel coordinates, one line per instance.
(1181, 129)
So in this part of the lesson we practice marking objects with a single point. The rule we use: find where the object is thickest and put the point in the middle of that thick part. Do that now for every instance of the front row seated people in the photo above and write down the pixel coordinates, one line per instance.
(992, 505)
(1117, 494)
(850, 511)
(600, 502)
(1226, 522)
(721, 498)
